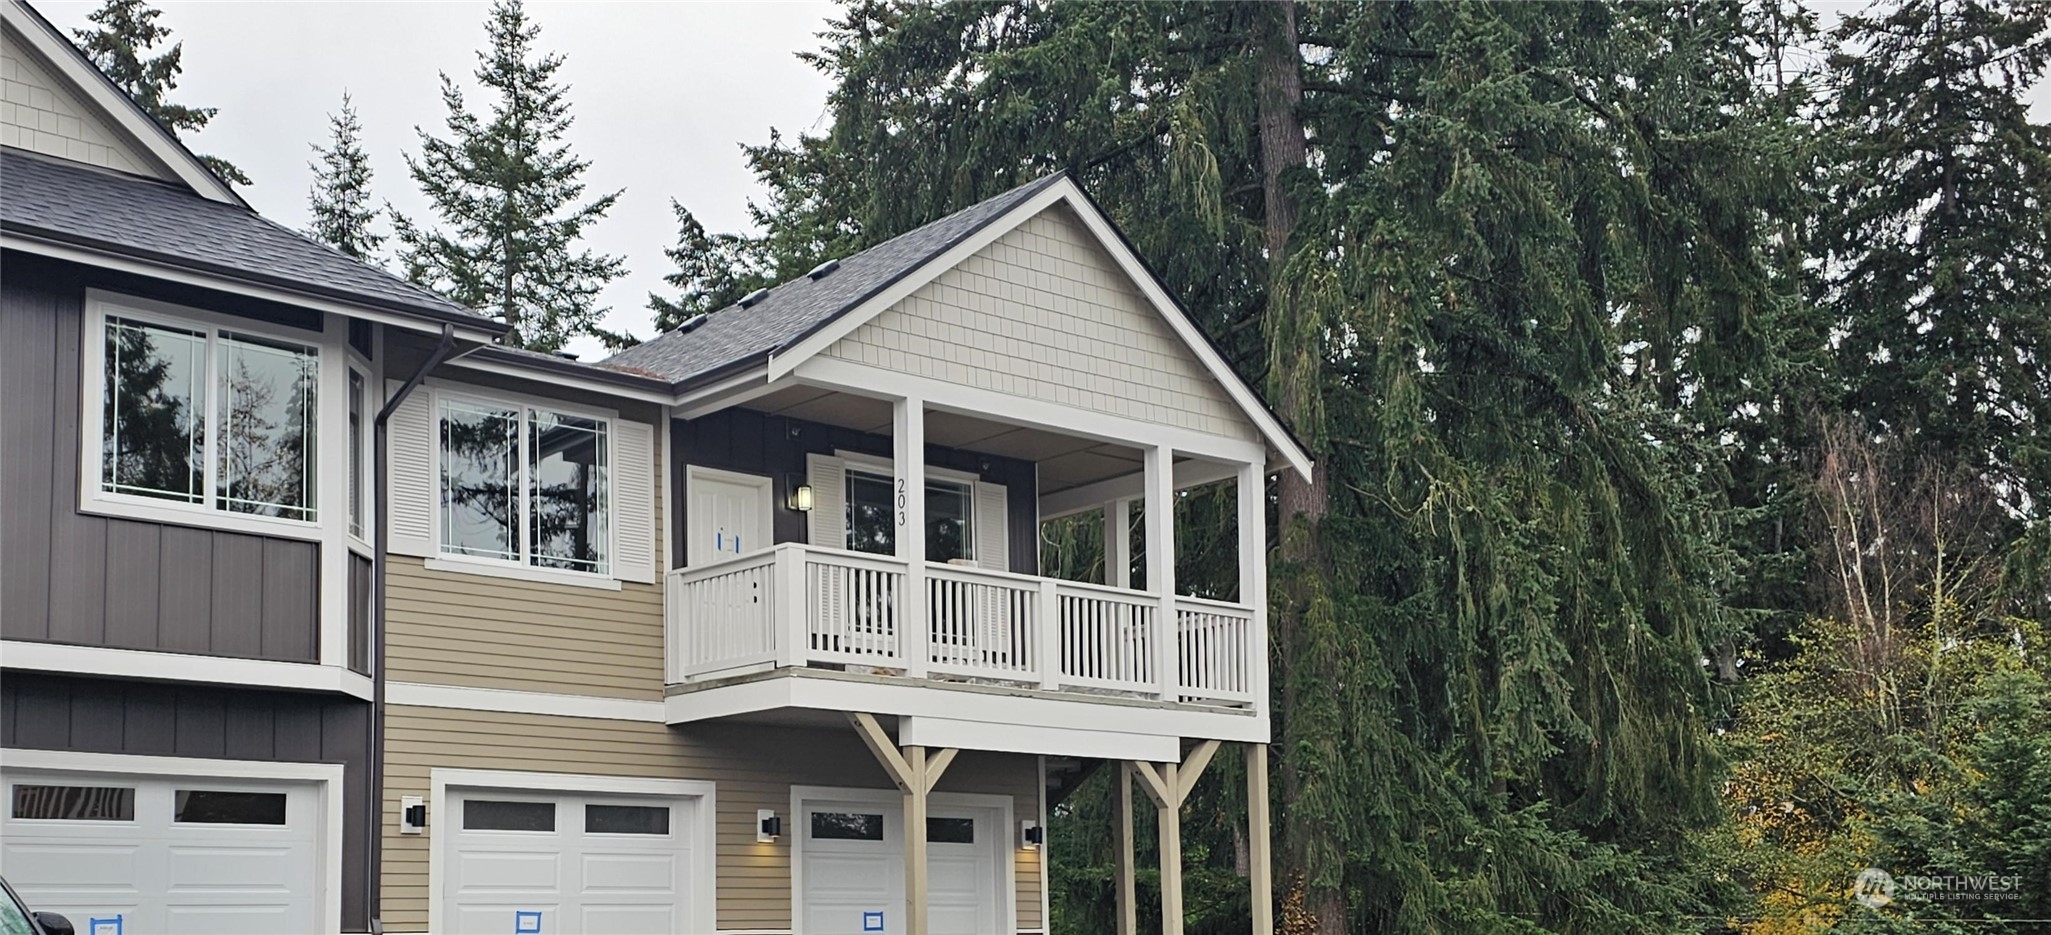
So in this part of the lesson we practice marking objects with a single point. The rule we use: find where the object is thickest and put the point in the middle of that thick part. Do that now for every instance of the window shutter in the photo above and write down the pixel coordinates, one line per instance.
(412, 473)
(993, 527)
(826, 525)
(633, 501)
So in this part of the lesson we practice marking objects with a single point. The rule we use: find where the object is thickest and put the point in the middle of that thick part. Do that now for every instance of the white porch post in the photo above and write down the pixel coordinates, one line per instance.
(1118, 543)
(1160, 500)
(1253, 576)
(908, 425)
(1260, 867)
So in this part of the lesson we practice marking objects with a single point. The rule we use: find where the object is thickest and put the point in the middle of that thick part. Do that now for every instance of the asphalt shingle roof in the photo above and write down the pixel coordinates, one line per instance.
(76, 204)
(795, 309)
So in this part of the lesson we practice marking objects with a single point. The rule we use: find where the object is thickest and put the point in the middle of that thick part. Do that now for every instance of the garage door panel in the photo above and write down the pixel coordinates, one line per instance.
(615, 864)
(110, 867)
(238, 868)
(500, 871)
(654, 874)
(227, 920)
(651, 919)
(498, 917)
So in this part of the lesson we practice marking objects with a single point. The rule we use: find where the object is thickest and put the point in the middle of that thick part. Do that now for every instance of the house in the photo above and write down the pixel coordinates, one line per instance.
(741, 630)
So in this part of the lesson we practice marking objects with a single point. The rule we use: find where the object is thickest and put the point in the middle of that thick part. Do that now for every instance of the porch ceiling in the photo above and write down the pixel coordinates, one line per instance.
(1065, 460)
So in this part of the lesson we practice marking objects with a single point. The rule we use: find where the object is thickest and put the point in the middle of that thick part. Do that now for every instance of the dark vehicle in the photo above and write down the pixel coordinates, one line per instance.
(15, 919)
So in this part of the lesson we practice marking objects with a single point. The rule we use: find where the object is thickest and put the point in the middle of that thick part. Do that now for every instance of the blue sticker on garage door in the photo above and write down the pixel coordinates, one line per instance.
(526, 923)
(872, 921)
(103, 926)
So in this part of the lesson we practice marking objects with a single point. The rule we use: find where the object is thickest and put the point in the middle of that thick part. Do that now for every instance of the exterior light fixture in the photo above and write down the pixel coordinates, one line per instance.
(768, 827)
(800, 495)
(1030, 835)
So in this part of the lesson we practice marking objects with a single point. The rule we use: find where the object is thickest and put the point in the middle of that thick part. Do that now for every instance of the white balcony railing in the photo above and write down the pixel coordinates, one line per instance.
(795, 605)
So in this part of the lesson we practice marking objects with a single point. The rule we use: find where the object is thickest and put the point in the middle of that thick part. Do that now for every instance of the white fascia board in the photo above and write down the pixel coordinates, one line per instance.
(911, 698)
(459, 697)
(103, 260)
(875, 382)
(1037, 739)
(1092, 496)
(559, 378)
(181, 667)
(782, 364)
(145, 133)
(731, 391)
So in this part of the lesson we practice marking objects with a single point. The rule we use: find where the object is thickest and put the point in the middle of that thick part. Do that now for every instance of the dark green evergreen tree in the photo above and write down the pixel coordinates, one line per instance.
(121, 46)
(712, 271)
(508, 194)
(339, 200)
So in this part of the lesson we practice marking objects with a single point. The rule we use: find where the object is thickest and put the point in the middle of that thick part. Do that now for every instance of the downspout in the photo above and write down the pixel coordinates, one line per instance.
(373, 885)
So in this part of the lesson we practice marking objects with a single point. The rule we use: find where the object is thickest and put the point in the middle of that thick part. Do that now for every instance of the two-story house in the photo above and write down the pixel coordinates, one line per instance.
(323, 611)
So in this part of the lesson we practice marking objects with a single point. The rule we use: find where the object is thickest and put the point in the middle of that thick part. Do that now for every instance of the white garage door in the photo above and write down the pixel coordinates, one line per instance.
(564, 863)
(186, 856)
(853, 869)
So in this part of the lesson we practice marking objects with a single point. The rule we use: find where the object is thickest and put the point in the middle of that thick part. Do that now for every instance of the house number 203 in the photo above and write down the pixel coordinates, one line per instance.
(902, 502)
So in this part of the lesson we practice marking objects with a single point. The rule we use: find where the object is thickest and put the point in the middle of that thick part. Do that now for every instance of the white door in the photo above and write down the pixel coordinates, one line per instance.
(564, 863)
(728, 515)
(853, 869)
(175, 856)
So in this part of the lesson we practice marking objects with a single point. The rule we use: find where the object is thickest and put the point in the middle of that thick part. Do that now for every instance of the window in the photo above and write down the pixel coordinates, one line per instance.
(488, 815)
(209, 807)
(75, 803)
(213, 418)
(522, 484)
(847, 826)
(951, 830)
(356, 453)
(872, 517)
(626, 819)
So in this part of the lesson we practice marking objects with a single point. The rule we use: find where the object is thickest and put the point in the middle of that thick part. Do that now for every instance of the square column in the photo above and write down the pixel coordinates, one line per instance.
(908, 433)
(1160, 499)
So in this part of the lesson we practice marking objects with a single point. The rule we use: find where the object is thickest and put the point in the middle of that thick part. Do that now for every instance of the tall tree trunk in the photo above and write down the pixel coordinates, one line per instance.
(1294, 382)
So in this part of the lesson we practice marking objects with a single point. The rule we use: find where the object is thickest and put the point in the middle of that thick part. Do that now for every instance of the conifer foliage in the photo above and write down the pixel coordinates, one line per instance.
(121, 45)
(340, 199)
(509, 198)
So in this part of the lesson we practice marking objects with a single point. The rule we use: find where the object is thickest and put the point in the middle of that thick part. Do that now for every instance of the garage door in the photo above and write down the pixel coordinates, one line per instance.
(853, 869)
(564, 863)
(184, 856)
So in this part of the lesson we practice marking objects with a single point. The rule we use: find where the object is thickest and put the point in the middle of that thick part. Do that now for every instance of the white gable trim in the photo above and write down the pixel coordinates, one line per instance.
(121, 113)
(1063, 191)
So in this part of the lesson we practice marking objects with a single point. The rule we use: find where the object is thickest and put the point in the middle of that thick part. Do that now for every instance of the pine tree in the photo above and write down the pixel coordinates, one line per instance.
(339, 199)
(712, 272)
(506, 189)
(120, 47)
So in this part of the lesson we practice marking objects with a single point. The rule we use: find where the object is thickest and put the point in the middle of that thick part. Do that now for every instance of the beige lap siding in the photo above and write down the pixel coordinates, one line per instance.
(753, 766)
(1045, 313)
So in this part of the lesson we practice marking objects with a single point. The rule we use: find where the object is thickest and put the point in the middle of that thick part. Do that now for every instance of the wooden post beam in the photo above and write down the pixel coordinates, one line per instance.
(1260, 867)
(916, 771)
(1128, 908)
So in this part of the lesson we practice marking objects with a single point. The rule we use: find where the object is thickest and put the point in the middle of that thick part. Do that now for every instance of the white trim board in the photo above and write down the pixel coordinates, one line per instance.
(182, 667)
(464, 698)
(1064, 191)
(329, 776)
(704, 873)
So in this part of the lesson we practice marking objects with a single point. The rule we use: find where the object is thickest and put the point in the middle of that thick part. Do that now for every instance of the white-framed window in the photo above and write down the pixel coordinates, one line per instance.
(872, 515)
(524, 484)
(359, 453)
(192, 413)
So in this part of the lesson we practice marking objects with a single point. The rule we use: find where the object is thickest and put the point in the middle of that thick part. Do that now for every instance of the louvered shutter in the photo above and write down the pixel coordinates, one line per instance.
(412, 473)
(633, 501)
(826, 525)
(993, 527)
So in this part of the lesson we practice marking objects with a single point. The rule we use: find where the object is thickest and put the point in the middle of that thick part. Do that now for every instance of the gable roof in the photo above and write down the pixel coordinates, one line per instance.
(127, 117)
(800, 318)
(165, 225)
(795, 309)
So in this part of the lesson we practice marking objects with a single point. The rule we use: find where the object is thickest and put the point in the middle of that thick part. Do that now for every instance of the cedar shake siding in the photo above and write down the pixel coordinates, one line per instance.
(47, 712)
(70, 577)
(753, 766)
(775, 446)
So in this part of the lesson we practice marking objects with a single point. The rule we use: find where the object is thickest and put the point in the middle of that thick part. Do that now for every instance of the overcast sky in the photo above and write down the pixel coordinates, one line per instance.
(663, 95)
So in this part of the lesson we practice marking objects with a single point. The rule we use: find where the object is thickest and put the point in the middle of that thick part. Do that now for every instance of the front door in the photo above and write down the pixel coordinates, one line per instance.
(853, 869)
(729, 515)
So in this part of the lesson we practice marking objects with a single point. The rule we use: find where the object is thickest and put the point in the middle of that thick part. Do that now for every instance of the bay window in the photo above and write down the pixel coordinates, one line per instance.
(525, 485)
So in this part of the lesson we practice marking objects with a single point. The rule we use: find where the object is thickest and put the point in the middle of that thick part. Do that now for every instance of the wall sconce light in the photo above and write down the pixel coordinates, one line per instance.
(800, 498)
(1030, 835)
(768, 827)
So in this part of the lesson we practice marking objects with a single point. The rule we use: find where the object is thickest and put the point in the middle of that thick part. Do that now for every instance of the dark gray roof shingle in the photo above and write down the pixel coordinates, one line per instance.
(795, 309)
(81, 205)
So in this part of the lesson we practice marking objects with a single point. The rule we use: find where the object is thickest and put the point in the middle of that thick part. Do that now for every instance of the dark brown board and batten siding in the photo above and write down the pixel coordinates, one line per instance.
(69, 577)
(751, 442)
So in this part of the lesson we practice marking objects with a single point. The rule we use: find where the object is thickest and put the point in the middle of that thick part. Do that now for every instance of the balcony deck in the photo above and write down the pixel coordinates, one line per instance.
(796, 606)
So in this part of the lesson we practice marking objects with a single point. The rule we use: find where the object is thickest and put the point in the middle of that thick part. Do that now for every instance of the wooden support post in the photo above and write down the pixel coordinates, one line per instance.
(1127, 898)
(1260, 867)
(1169, 785)
(915, 772)
(1118, 543)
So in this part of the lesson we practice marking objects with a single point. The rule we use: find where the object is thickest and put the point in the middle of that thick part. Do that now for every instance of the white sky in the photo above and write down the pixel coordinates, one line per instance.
(663, 95)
